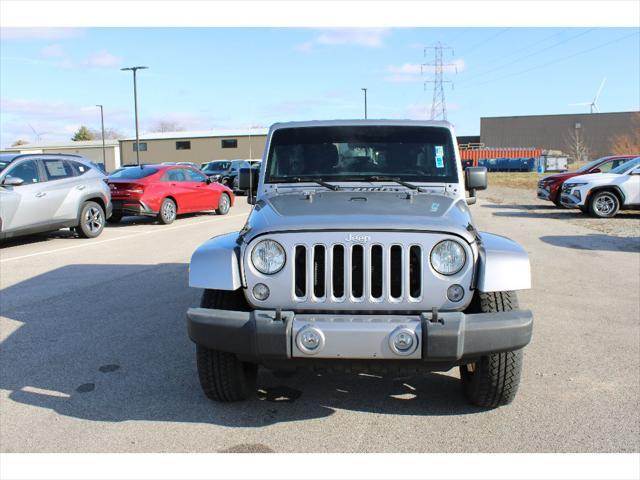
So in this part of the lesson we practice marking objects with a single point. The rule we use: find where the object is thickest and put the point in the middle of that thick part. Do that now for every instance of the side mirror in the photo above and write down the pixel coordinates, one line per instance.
(12, 181)
(207, 181)
(475, 178)
(635, 171)
(248, 180)
(596, 170)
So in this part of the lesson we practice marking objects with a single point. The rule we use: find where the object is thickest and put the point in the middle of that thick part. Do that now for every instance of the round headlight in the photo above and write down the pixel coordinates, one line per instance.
(268, 257)
(448, 257)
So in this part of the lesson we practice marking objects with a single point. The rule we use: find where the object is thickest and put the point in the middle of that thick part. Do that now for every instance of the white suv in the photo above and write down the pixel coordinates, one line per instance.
(603, 194)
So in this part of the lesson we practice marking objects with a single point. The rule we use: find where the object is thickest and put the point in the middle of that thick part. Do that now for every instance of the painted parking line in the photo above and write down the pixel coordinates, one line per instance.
(123, 237)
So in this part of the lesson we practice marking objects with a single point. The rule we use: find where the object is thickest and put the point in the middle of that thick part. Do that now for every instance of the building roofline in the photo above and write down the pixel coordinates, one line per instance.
(562, 115)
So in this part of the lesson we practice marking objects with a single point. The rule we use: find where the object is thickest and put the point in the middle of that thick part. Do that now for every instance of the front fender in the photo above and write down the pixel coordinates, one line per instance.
(503, 265)
(215, 264)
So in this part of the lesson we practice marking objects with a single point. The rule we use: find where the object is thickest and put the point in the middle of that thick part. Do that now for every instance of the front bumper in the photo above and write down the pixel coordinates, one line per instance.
(570, 201)
(543, 193)
(264, 335)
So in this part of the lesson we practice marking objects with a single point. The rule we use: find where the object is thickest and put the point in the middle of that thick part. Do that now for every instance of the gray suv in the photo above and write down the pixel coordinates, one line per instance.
(361, 254)
(45, 192)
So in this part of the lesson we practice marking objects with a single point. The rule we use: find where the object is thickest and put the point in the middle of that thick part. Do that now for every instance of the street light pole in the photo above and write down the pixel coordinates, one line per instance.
(365, 102)
(104, 154)
(135, 104)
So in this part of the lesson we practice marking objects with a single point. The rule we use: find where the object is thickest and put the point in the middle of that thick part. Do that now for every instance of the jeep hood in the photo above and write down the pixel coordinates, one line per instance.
(361, 211)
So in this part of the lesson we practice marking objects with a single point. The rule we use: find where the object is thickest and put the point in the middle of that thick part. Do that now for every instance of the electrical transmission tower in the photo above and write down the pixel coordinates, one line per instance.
(438, 104)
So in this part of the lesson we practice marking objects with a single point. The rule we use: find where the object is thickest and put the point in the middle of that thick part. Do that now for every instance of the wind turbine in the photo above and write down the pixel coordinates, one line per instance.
(593, 105)
(38, 135)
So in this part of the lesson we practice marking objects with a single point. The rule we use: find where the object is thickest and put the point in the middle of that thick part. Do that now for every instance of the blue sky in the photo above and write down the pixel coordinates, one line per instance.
(208, 78)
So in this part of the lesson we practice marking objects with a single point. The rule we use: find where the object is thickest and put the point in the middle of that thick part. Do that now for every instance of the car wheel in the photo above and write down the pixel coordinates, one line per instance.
(168, 211)
(222, 376)
(115, 217)
(493, 379)
(91, 220)
(224, 204)
(604, 204)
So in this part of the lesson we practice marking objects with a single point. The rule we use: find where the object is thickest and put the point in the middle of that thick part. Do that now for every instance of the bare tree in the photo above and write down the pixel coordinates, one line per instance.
(109, 134)
(167, 126)
(628, 144)
(19, 142)
(576, 145)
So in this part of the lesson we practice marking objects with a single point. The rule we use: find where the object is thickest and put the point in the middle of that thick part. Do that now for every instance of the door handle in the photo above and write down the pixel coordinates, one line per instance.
(81, 187)
(41, 194)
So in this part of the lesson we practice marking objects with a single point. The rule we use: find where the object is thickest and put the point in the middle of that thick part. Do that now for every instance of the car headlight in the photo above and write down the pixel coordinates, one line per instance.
(448, 257)
(268, 257)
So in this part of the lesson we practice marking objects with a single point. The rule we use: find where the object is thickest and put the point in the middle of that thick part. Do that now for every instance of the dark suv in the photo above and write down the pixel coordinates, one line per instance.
(225, 171)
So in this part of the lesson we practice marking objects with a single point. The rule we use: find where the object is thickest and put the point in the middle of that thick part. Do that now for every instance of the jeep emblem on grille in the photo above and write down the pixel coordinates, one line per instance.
(355, 237)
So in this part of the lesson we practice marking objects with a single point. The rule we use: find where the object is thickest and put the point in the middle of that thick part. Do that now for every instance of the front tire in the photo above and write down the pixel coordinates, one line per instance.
(92, 220)
(604, 204)
(222, 376)
(493, 379)
(168, 211)
(224, 204)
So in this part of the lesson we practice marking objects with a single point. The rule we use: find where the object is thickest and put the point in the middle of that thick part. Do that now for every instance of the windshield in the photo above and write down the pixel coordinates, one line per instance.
(358, 153)
(589, 166)
(626, 166)
(5, 160)
(217, 166)
(133, 173)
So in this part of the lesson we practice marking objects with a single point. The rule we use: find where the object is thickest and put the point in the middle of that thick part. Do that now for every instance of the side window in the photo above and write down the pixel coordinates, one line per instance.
(175, 175)
(194, 176)
(229, 143)
(27, 171)
(57, 169)
(184, 145)
(78, 168)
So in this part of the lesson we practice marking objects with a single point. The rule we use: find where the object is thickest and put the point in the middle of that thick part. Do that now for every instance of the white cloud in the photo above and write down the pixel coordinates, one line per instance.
(102, 59)
(416, 72)
(14, 33)
(53, 51)
(362, 37)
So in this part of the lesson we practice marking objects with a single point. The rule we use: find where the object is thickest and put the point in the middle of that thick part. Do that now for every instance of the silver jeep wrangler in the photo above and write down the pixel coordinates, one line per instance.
(360, 254)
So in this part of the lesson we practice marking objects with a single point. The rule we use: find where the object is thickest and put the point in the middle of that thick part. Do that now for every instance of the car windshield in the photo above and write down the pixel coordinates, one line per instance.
(217, 166)
(5, 160)
(133, 173)
(626, 166)
(362, 153)
(589, 166)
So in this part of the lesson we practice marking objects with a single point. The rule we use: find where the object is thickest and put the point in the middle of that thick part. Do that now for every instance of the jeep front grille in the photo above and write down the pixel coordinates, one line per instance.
(357, 273)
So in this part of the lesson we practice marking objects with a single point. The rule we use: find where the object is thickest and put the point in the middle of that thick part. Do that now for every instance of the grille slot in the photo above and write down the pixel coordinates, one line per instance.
(337, 271)
(395, 271)
(300, 271)
(415, 272)
(319, 277)
(357, 271)
(376, 272)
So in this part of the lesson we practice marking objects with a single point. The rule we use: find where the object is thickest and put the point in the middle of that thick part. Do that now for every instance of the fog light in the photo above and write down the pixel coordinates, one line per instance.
(403, 341)
(455, 293)
(310, 340)
(261, 291)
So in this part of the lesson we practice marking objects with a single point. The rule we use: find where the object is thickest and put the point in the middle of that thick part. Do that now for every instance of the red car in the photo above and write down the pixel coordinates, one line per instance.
(164, 191)
(549, 187)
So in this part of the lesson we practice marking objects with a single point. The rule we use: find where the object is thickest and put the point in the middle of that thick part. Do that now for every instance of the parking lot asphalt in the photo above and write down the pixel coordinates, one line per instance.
(94, 354)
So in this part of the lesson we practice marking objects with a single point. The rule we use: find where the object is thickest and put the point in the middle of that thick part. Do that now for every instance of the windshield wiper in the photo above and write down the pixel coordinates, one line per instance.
(319, 181)
(378, 178)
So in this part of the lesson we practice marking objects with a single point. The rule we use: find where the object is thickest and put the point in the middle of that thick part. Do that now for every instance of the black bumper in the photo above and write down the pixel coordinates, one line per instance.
(131, 207)
(454, 337)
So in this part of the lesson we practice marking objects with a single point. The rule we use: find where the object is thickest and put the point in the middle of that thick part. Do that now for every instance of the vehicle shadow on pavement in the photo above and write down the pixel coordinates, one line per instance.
(37, 238)
(148, 220)
(109, 343)
(602, 242)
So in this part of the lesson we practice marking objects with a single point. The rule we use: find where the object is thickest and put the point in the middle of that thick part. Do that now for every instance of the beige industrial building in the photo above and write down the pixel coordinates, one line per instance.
(91, 149)
(197, 147)
(557, 132)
